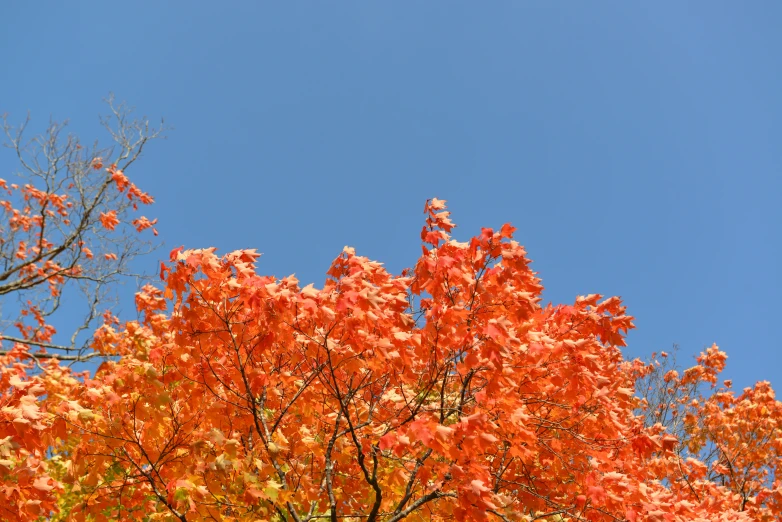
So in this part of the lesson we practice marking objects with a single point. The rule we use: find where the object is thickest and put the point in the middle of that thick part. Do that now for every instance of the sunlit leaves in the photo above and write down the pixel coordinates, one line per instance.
(446, 393)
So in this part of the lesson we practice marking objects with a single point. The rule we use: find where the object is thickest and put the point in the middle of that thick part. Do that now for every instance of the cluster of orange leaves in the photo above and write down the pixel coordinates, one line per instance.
(46, 214)
(445, 393)
(39, 226)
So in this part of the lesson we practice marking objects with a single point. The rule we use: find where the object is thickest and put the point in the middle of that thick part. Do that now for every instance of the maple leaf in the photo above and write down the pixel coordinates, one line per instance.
(109, 219)
(387, 441)
(43, 484)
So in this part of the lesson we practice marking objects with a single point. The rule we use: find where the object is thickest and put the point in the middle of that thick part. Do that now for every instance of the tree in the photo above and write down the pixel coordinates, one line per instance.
(723, 438)
(69, 220)
(445, 393)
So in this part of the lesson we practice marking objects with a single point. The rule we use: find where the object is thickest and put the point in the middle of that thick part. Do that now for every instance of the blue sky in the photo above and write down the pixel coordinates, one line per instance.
(635, 145)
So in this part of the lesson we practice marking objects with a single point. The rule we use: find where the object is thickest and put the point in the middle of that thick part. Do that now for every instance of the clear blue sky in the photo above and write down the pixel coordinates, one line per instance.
(635, 145)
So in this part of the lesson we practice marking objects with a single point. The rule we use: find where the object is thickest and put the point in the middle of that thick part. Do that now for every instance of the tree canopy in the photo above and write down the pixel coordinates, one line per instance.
(447, 392)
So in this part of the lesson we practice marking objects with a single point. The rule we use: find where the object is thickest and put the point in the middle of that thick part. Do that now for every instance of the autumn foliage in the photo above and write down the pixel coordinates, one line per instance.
(70, 221)
(448, 392)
